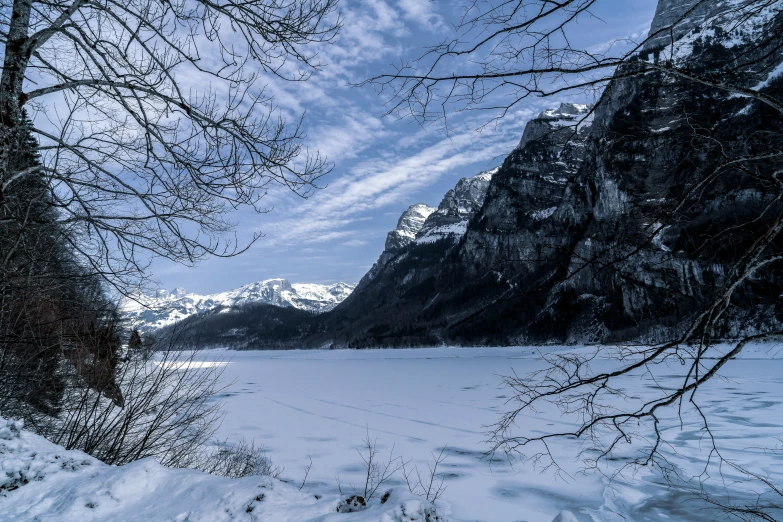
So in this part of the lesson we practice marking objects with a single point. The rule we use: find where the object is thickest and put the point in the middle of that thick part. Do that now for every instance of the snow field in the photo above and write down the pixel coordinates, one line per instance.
(320, 405)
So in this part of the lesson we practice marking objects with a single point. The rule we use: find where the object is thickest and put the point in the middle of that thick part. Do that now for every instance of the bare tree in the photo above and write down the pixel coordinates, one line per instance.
(766, 505)
(377, 472)
(168, 411)
(149, 123)
(431, 485)
(235, 460)
(153, 119)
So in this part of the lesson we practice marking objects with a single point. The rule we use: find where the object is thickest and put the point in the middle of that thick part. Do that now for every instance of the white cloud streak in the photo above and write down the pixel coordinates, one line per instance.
(422, 12)
(382, 182)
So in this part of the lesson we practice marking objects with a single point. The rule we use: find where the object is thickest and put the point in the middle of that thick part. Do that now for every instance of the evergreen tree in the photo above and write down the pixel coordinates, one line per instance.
(56, 326)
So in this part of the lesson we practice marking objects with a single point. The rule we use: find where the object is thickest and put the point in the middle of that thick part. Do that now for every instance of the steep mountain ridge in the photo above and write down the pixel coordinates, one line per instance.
(422, 224)
(408, 226)
(431, 282)
(166, 308)
(578, 239)
(639, 268)
(456, 209)
(606, 224)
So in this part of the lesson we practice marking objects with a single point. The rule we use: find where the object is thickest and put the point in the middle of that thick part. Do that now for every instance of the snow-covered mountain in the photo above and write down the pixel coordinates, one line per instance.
(150, 312)
(408, 226)
(422, 224)
(459, 204)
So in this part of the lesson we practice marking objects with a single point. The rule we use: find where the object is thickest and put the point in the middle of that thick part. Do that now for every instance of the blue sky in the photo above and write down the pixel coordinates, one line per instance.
(382, 165)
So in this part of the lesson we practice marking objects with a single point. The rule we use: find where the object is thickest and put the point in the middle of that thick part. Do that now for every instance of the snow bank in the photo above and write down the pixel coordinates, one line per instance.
(43, 482)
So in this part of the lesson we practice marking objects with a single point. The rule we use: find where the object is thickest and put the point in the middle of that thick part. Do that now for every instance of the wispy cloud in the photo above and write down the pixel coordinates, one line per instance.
(356, 243)
(381, 165)
(346, 134)
(423, 13)
(622, 43)
(372, 185)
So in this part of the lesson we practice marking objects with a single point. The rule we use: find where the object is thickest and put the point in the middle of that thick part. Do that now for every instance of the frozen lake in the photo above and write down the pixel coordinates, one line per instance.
(319, 405)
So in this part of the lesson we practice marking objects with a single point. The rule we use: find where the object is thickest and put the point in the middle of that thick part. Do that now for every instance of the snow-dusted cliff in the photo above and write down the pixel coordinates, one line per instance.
(165, 308)
(459, 204)
(408, 226)
(422, 224)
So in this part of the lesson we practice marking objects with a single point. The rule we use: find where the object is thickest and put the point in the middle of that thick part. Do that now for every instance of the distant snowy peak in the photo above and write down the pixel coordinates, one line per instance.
(563, 119)
(457, 207)
(165, 308)
(335, 293)
(408, 226)
(566, 111)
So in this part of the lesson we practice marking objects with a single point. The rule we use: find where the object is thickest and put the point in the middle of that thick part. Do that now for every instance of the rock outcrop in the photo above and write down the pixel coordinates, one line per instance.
(422, 224)
(408, 227)
(459, 205)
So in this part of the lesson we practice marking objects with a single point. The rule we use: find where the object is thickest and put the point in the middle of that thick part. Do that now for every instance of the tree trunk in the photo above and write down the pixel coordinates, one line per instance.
(11, 82)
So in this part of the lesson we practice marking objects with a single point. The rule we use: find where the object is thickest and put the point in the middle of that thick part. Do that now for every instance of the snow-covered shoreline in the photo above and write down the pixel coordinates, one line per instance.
(41, 481)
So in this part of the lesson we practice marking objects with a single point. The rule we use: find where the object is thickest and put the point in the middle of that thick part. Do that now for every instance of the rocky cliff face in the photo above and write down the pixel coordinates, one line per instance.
(660, 218)
(459, 205)
(593, 231)
(520, 221)
(408, 226)
(422, 224)
(684, 15)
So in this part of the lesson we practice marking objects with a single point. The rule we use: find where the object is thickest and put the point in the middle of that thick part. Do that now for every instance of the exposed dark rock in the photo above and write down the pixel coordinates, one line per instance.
(459, 205)
(352, 504)
(408, 226)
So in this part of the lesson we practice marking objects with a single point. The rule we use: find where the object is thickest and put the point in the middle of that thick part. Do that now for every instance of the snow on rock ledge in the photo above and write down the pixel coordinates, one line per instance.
(458, 206)
(408, 226)
(565, 516)
(41, 481)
